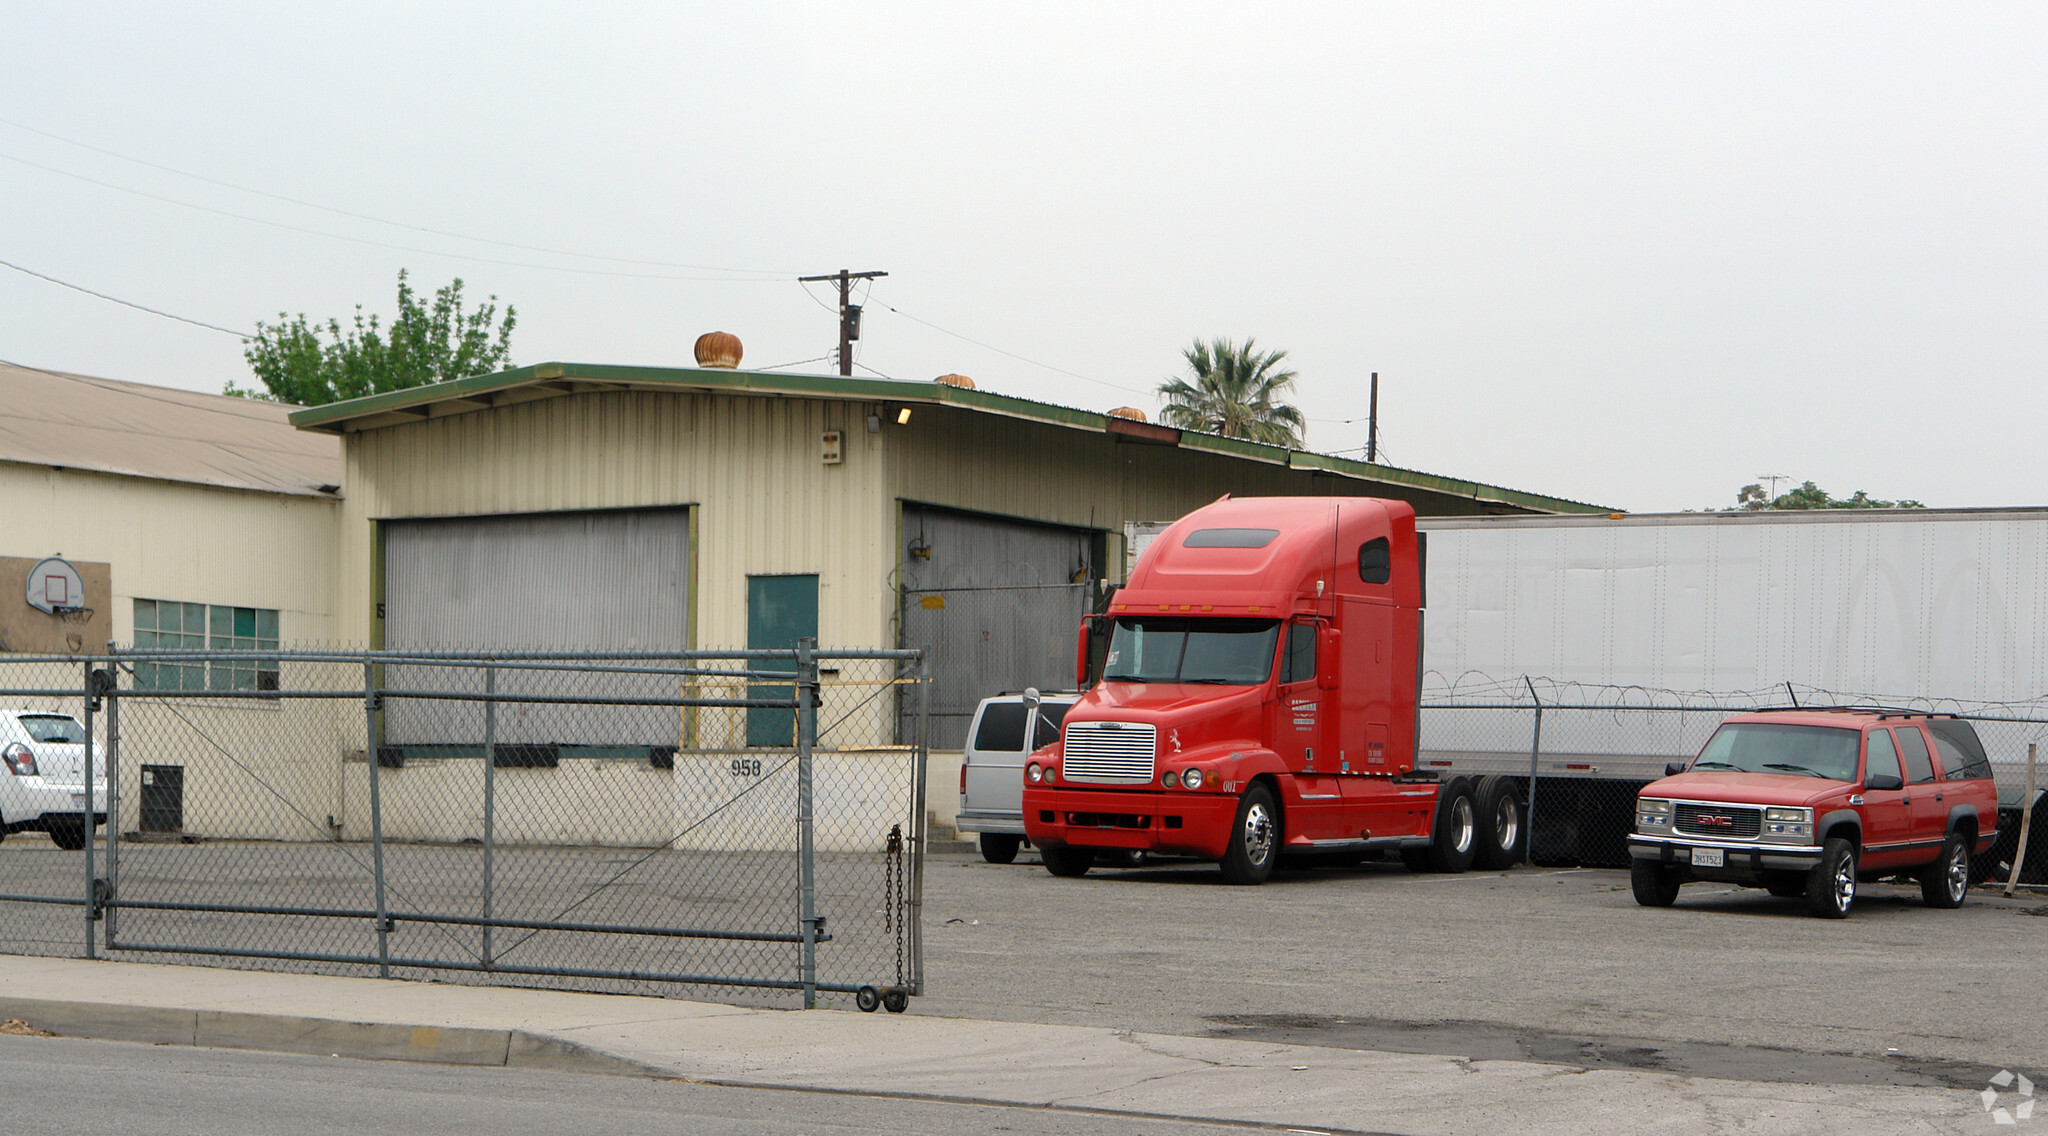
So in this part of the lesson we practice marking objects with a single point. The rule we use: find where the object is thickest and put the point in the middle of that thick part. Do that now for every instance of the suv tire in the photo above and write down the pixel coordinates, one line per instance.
(1000, 847)
(1945, 882)
(1655, 884)
(1067, 860)
(1831, 886)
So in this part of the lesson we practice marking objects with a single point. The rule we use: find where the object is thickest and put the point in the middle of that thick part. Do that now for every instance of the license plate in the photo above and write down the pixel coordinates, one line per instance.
(78, 798)
(1706, 858)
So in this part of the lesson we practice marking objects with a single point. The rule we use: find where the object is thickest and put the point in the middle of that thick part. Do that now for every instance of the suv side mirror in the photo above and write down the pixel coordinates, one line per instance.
(1673, 768)
(1883, 782)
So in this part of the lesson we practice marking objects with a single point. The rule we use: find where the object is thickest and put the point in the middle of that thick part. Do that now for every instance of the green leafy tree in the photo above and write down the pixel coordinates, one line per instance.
(1236, 392)
(308, 364)
(1810, 496)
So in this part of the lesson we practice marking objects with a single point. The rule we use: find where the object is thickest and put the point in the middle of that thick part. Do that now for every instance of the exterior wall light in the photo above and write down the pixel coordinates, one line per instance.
(903, 417)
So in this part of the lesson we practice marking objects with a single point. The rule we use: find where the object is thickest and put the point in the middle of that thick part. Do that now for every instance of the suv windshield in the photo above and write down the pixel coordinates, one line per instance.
(1763, 747)
(1231, 652)
(53, 729)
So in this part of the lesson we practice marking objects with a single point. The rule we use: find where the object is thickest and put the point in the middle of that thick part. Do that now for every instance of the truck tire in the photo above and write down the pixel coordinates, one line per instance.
(70, 837)
(1655, 885)
(1456, 839)
(1498, 806)
(1067, 860)
(1831, 886)
(1945, 882)
(1000, 847)
(1254, 838)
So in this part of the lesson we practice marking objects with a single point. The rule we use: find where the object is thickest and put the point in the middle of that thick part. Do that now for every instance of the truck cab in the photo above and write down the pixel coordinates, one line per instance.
(1258, 696)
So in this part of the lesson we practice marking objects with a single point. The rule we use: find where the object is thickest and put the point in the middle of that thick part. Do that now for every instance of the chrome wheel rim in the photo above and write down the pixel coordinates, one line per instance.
(1845, 883)
(1258, 833)
(1507, 823)
(1462, 826)
(1958, 875)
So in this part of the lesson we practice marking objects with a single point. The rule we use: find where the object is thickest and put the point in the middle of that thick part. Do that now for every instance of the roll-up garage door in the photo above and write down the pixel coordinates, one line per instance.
(995, 603)
(574, 582)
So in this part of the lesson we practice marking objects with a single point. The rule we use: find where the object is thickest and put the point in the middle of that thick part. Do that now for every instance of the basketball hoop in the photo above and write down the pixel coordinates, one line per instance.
(73, 614)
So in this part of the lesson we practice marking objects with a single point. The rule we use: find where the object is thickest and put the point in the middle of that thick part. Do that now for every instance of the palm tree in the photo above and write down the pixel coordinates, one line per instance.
(1236, 393)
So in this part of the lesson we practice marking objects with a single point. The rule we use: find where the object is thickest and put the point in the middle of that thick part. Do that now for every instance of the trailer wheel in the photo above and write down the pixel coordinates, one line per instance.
(1067, 860)
(1254, 838)
(1000, 847)
(1499, 807)
(1456, 839)
(868, 999)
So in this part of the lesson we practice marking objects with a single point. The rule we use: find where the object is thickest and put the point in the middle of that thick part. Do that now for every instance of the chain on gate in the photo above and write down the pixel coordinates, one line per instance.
(894, 919)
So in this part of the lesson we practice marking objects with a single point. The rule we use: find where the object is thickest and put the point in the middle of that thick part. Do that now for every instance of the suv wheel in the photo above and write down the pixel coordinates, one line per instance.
(1831, 887)
(1655, 884)
(1000, 847)
(1945, 882)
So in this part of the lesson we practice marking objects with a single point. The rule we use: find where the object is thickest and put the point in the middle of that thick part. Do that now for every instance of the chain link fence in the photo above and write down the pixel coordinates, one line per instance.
(745, 821)
(1589, 749)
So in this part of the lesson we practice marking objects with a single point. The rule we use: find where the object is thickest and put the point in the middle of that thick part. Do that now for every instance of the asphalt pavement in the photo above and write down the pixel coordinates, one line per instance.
(1084, 1070)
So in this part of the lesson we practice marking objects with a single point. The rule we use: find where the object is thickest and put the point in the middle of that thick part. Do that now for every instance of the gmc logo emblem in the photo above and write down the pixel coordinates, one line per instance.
(1714, 821)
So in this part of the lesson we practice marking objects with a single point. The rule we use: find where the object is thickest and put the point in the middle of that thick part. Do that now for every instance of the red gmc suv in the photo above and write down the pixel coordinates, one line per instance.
(1808, 802)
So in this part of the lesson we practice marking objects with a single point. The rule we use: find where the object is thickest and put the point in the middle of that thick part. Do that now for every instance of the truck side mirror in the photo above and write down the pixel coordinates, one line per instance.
(1032, 698)
(1327, 641)
(1673, 768)
(1081, 655)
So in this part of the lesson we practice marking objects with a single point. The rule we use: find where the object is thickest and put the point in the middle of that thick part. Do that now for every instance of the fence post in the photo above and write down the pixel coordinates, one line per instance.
(806, 688)
(1535, 747)
(490, 802)
(2019, 855)
(375, 759)
(92, 907)
(113, 793)
(915, 912)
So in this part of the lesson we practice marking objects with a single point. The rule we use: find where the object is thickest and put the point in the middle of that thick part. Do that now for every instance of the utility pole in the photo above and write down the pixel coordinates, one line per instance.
(849, 313)
(1372, 421)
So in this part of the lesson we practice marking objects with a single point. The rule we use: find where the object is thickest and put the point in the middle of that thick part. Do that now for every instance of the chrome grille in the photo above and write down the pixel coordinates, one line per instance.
(1109, 753)
(1729, 822)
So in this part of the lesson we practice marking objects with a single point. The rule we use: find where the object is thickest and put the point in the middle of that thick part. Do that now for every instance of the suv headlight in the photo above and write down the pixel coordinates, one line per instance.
(1790, 825)
(1653, 815)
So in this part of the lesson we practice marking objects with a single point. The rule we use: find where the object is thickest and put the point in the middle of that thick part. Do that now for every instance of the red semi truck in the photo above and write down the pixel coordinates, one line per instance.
(1258, 699)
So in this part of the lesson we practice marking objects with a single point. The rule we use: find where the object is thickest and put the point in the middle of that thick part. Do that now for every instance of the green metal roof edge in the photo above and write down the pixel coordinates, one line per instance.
(901, 390)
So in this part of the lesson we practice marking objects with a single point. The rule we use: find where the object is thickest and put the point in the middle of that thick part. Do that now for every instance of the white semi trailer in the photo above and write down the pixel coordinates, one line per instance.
(1895, 604)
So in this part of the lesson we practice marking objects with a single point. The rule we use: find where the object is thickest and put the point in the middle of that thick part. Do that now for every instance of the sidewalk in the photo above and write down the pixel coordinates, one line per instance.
(1091, 1070)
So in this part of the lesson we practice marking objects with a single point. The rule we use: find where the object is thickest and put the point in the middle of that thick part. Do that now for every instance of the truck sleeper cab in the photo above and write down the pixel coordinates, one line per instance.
(1258, 698)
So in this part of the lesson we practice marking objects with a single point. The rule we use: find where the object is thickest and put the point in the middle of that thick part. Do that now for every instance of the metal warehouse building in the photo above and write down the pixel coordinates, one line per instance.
(578, 507)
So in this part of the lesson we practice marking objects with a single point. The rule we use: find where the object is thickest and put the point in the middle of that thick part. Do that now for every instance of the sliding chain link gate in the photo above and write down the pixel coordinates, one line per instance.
(539, 819)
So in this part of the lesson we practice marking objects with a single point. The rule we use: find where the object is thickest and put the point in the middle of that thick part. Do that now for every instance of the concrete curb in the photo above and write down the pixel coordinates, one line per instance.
(317, 1037)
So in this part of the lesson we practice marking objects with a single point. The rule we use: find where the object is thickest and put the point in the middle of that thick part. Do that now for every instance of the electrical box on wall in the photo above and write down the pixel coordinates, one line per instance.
(831, 449)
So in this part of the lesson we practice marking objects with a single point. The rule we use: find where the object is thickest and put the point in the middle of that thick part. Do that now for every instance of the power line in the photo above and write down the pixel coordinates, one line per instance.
(384, 244)
(1014, 355)
(127, 303)
(770, 273)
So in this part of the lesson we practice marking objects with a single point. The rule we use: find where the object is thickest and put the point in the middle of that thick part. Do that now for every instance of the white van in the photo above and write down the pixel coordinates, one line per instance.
(992, 768)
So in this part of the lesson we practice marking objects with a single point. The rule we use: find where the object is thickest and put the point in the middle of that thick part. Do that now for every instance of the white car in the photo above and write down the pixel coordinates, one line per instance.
(992, 767)
(42, 777)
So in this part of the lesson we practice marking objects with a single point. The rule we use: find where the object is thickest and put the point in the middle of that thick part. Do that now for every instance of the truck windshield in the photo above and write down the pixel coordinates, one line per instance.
(1761, 747)
(1231, 652)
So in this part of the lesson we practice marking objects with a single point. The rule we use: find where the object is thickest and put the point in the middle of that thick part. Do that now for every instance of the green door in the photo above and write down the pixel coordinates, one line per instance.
(780, 611)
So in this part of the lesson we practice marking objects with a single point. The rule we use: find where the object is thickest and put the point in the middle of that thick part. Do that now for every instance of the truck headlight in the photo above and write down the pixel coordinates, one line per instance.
(1034, 773)
(1191, 779)
(1169, 779)
(1792, 825)
(1652, 815)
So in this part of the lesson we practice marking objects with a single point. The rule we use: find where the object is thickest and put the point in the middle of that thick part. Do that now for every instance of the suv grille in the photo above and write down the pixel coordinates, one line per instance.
(1109, 753)
(1729, 822)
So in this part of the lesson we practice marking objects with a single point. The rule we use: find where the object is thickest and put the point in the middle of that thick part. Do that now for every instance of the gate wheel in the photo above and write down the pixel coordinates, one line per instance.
(868, 999)
(896, 1001)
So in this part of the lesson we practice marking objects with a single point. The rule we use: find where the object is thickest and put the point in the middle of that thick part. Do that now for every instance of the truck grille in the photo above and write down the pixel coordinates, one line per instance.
(1109, 753)
(1725, 821)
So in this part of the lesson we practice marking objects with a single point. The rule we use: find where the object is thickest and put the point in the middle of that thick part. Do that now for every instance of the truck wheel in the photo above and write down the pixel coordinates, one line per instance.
(1457, 832)
(1499, 808)
(1945, 882)
(1655, 884)
(1067, 860)
(1000, 847)
(1831, 886)
(69, 837)
(1254, 839)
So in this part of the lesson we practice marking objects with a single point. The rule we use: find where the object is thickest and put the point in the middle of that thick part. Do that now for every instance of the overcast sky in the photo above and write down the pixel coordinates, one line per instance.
(1631, 254)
